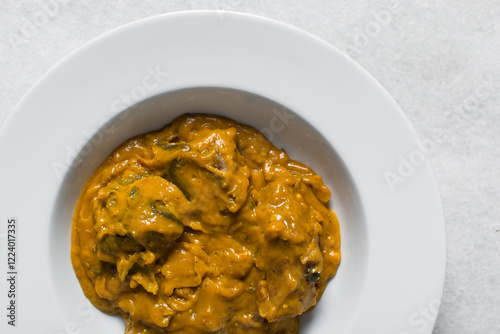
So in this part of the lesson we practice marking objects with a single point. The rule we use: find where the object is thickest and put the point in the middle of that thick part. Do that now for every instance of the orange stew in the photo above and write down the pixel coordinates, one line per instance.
(204, 227)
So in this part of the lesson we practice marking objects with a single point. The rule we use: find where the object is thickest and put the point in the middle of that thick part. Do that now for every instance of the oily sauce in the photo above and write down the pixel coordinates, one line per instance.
(204, 227)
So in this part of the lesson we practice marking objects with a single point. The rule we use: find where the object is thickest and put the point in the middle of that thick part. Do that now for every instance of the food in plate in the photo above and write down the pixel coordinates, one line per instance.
(204, 227)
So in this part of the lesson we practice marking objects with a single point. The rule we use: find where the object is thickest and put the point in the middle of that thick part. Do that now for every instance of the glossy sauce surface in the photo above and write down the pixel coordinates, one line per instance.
(204, 227)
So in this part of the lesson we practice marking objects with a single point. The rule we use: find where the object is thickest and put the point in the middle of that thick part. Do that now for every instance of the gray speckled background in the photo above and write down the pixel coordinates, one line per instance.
(440, 60)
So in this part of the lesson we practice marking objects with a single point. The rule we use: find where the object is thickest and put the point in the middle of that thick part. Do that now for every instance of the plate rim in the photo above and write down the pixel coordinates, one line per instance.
(308, 35)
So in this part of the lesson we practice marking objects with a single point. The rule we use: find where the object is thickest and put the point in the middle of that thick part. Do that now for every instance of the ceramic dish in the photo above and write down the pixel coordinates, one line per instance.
(302, 93)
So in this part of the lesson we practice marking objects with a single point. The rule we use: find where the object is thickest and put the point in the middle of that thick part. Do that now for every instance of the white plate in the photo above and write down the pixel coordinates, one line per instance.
(356, 137)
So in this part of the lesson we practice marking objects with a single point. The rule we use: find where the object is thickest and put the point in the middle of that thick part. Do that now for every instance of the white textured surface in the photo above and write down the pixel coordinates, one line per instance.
(439, 60)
